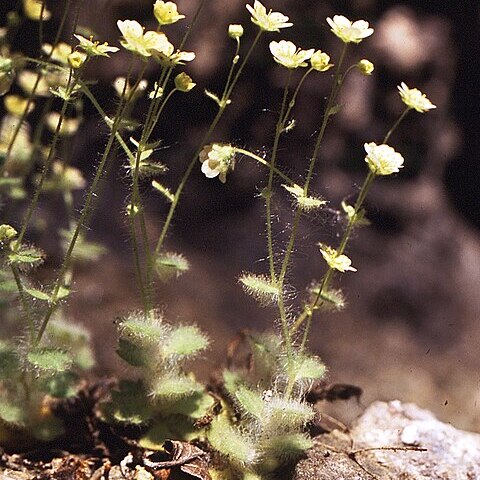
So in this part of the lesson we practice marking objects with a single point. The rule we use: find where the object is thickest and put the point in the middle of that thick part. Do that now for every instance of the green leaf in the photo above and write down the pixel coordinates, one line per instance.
(129, 404)
(26, 255)
(231, 442)
(184, 341)
(38, 294)
(251, 402)
(12, 413)
(309, 368)
(288, 446)
(175, 386)
(169, 264)
(131, 353)
(61, 385)
(50, 359)
(142, 330)
(194, 406)
(287, 415)
(166, 428)
(9, 362)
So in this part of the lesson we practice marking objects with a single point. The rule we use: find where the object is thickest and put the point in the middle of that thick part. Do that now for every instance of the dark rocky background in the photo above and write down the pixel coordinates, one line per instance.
(410, 330)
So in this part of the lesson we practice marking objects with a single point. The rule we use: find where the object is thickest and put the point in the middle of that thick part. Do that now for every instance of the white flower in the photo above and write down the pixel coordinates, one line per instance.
(95, 48)
(119, 86)
(166, 12)
(27, 80)
(335, 261)
(167, 55)
(414, 98)
(68, 127)
(287, 54)
(271, 21)
(347, 31)
(135, 40)
(320, 61)
(217, 159)
(383, 159)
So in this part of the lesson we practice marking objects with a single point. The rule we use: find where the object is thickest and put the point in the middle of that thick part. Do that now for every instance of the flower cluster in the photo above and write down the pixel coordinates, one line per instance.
(383, 159)
(415, 99)
(217, 159)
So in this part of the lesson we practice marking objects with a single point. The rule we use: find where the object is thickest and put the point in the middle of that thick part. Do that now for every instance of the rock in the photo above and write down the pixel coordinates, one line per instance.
(394, 441)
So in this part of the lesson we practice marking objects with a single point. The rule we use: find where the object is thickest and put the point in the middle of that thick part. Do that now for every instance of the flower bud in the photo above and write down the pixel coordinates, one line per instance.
(365, 66)
(183, 82)
(76, 59)
(235, 31)
(7, 233)
(320, 61)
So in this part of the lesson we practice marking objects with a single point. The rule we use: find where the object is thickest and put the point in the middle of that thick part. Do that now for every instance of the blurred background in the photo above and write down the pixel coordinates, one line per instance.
(410, 330)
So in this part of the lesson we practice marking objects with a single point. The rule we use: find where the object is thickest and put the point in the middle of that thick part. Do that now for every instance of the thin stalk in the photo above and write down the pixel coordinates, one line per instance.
(46, 168)
(205, 139)
(265, 163)
(308, 311)
(23, 300)
(87, 206)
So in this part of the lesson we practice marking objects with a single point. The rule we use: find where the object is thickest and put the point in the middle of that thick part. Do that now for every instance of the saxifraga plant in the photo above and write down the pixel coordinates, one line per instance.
(263, 423)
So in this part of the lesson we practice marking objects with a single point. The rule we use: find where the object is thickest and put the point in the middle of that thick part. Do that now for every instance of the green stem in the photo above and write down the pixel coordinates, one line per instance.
(46, 168)
(193, 161)
(265, 163)
(87, 207)
(23, 299)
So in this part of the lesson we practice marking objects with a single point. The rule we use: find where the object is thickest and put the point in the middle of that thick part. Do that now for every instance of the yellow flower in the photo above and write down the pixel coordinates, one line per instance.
(138, 41)
(320, 61)
(166, 12)
(33, 10)
(383, 159)
(217, 159)
(335, 261)
(95, 49)
(287, 54)
(365, 66)
(183, 82)
(16, 105)
(68, 127)
(347, 31)
(235, 31)
(271, 21)
(414, 98)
